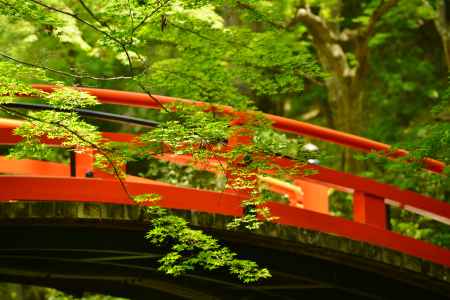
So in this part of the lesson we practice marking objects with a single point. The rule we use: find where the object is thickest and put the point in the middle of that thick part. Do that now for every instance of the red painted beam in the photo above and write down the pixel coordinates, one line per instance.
(315, 196)
(35, 167)
(46, 168)
(106, 191)
(123, 97)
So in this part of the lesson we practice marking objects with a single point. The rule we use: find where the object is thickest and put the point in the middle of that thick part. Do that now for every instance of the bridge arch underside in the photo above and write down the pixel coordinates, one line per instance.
(80, 247)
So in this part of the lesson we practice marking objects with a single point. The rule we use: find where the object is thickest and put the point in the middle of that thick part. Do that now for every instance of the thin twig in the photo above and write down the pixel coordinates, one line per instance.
(144, 88)
(222, 167)
(383, 8)
(257, 13)
(192, 31)
(130, 13)
(75, 16)
(89, 11)
(63, 72)
(148, 16)
(178, 26)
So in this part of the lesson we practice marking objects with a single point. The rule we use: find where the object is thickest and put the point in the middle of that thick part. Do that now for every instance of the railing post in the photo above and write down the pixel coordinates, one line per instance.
(73, 163)
(369, 209)
(82, 165)
(84, 162)
(241, 136)
(315, 196)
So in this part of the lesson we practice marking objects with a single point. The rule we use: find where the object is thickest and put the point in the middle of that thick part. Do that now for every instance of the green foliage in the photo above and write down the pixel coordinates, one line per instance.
(341, 204)
(68, 98)
(191, 249)
(427, 140)
(247, 54)
(13, 291)
(17, 9)
(12, 78)
(63, 126)
(59, 125)
(204, 133)
(58, 295)
(31, 149)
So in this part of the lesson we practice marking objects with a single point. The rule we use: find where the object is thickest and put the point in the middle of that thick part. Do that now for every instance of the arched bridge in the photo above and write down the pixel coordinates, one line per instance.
(60, 228)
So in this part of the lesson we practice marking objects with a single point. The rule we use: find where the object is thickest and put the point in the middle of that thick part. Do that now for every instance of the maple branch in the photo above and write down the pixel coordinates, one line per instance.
(362, 46)
(254, 11)
(77, 76)
(78, 18)
(89, 11)
(377, 14)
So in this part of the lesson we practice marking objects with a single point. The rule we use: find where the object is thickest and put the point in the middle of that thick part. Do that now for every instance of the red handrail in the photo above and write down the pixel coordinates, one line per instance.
(109, 191)
(281, 123)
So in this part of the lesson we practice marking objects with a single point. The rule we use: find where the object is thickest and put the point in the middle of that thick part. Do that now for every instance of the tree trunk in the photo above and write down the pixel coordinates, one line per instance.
(446, 44)
(345, 83)
(442, 23)
(345, 95)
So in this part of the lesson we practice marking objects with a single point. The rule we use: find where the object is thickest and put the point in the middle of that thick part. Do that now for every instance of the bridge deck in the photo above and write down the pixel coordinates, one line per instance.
(65, 245)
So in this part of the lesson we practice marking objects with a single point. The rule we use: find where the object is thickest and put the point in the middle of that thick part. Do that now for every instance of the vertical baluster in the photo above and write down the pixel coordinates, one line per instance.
(369, 209)
(315, 196)
(84, 162)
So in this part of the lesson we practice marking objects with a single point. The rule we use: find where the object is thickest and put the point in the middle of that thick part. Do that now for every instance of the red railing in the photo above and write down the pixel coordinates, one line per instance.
(369, 197)
(288, 125)
(365, 210)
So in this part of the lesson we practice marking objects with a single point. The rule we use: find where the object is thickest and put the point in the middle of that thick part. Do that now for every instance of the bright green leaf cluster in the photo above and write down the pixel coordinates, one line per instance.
(191, 249)
(68, 98)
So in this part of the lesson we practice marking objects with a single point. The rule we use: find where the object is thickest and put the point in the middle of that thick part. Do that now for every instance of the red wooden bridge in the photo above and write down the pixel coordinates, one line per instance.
(422, 269)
